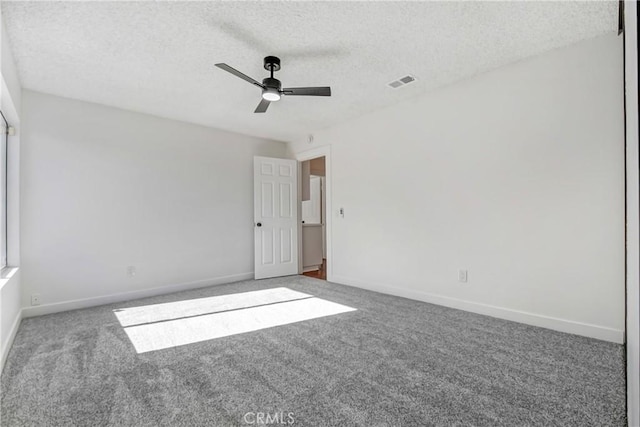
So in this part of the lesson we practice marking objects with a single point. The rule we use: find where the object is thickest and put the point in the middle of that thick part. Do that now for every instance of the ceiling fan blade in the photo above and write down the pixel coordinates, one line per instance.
(308, 91)
(239, 74)
(262, 107)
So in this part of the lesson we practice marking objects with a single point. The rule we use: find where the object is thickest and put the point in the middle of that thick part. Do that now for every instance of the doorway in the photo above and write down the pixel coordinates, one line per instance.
(314, 213)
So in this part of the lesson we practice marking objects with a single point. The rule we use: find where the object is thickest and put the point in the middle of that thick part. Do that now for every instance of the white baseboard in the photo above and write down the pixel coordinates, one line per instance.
(557, 324)
(6, 346)
(127, 296)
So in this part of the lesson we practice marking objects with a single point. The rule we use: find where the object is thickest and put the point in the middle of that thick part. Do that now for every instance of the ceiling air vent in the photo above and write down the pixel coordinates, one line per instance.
(402, 81)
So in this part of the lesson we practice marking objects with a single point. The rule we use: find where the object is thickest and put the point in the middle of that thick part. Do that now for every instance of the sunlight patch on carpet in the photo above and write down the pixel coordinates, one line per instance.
(195, 307)
(161, 326)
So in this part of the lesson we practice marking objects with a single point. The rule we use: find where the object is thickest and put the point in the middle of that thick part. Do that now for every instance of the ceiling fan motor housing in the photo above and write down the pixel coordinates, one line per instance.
(272, 83)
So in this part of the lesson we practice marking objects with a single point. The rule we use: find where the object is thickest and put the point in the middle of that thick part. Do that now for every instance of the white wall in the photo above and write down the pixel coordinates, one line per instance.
(516, 175)
(10, 312)
(104, 189)
(8, 69)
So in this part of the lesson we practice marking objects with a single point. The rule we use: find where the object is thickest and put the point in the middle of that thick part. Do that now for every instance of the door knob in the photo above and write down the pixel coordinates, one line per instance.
(259, 224)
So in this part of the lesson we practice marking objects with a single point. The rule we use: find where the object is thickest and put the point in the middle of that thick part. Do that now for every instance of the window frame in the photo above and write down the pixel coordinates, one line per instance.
(4, 142)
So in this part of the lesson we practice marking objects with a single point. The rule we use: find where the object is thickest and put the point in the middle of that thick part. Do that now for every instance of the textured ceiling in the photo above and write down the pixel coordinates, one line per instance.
(158, 57)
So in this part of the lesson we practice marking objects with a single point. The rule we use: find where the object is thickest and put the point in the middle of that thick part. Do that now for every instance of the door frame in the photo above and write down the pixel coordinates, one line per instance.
(632, 198)
(314, 153)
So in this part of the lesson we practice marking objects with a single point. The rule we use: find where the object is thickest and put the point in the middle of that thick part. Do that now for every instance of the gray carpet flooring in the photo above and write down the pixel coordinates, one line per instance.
(392, 362)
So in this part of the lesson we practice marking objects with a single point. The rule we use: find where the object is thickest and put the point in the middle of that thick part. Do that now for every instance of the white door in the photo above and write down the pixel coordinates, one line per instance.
(275, 217)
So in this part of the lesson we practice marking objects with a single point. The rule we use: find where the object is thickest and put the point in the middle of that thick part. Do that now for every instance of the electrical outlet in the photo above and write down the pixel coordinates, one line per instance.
(462, 276)
(131, 270)
(35, 299)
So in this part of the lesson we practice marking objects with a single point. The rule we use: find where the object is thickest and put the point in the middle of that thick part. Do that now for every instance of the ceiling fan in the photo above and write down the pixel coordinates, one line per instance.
(272, 88)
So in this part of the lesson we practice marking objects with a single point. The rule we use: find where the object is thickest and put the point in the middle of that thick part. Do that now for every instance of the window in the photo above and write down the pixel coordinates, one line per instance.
(3, 191)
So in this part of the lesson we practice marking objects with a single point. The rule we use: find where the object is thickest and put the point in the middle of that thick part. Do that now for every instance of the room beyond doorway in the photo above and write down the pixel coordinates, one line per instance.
(313, 217)
(320, 273)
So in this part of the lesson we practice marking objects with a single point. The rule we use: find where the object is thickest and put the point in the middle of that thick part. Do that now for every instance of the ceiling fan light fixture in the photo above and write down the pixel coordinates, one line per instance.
(271, 94)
